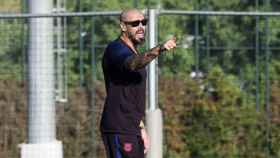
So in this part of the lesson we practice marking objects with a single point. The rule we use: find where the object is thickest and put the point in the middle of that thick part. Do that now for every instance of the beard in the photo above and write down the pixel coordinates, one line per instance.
(135, 40)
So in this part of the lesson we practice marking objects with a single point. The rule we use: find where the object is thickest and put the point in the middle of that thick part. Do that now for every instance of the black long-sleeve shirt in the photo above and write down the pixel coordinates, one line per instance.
(125, 101)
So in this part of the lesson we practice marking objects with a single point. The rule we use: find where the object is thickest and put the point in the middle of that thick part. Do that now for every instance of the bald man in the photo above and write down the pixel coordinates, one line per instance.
(124, 67)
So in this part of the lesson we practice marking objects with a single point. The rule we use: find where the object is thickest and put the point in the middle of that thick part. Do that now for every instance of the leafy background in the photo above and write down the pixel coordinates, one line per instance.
(213, 116)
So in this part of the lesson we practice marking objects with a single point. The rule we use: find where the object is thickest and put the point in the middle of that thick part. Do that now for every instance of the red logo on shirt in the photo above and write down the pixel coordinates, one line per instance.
(127, 147)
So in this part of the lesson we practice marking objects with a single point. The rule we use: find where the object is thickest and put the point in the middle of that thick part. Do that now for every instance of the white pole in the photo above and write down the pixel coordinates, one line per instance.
(41, 91)
(154, 115)
(41, 111)
(152, 65)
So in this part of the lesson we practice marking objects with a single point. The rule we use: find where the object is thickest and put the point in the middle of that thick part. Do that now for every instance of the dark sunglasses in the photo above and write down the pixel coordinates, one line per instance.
(137, 22)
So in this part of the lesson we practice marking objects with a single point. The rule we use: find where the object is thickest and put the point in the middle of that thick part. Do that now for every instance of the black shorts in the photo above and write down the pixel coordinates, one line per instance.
(123, 146)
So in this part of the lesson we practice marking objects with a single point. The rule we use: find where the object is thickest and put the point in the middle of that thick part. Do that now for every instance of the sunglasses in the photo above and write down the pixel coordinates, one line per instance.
(137, 22)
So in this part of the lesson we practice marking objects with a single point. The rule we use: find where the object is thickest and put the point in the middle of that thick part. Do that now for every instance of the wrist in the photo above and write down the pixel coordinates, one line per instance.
(161, 48)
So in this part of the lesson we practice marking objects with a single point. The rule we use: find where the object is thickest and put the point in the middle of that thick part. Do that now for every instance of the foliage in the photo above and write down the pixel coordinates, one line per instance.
(10, 6)
(214, 116)
(202, 123)
(11, 49)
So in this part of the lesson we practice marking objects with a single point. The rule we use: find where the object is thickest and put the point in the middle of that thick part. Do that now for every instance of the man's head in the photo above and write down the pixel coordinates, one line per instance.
(132, 23)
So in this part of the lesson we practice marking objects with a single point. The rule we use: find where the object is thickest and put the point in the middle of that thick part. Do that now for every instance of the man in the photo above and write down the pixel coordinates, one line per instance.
(122, 127)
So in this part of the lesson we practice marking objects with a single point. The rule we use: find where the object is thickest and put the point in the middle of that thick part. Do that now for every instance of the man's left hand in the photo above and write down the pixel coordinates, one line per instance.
(146, 140)
(169, 44)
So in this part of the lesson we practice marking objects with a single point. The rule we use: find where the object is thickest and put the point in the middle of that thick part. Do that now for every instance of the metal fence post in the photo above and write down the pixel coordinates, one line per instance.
(257, 55)
(93, 87)
(152, 65)
(41, 99)
(267, 84)
(154, 115)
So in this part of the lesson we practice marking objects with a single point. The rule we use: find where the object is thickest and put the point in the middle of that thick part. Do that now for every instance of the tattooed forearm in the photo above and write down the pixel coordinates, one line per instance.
(139, 61)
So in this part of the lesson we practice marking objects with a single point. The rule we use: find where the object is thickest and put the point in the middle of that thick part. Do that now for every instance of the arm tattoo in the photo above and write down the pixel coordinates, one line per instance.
(136, 62)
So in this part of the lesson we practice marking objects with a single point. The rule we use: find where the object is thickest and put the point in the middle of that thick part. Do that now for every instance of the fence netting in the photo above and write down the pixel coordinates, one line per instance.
(219, 91)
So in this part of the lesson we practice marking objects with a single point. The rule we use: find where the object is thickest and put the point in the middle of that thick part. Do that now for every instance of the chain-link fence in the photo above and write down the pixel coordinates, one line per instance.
(222, 86)
(208, 87)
